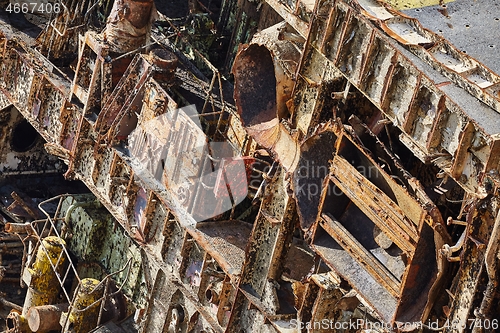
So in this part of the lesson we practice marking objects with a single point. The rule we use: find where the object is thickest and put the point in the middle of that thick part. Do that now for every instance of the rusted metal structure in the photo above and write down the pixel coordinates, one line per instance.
(242, 166)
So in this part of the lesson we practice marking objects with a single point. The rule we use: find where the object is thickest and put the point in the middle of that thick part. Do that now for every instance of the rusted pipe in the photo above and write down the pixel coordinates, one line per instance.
(263, 75)
(44, 286)
(129, 24)
(18, 228)
(449, 250)
(491, 262)
(45, 318)
(11, 305)
(16, 323)
(84, 314)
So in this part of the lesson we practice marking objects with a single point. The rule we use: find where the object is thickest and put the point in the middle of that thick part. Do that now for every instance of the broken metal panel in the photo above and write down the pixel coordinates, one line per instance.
(311, 172)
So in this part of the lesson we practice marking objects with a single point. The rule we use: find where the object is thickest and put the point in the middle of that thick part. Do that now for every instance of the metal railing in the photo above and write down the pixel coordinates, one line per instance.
(49, 227)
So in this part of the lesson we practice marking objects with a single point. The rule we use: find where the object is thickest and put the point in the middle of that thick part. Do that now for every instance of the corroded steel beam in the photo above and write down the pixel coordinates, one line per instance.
(129, 24)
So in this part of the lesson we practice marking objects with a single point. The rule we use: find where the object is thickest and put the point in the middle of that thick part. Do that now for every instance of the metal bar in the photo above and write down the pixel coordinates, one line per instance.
(364, 257)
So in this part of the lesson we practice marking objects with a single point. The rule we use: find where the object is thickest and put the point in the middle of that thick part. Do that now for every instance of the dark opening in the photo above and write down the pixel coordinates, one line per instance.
(24, 137)
(10, 323)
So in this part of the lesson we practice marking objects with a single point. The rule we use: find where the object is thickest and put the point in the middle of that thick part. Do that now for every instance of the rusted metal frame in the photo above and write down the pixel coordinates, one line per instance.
(3, 45)
(138, 225)
(335, 229)
(70, 173)
(81, 65)
(435, 133)
(125, 105)
(434, 219)
(370, 58)
(259, 305)
(94, 41)
(461, 78)
(347, 19)
(105, 198)
(187, 257)
(119, 216)
(464, 144)
(114, 174)
(49, 108)
(407, 122)
(494, 158)
(24, 84)
(491, 265)
(199, 307)
(101, 169)
(319, 89)
(131, 194)
(171, 204)
(198, 187)
(27, 206)
(300, 26)
(226, 298)
(357, 72)
(94, 81)
(283, 243)
(307, 45)
(412, 114)
(407, 138)
(270, 236)
(375, 204)
(15, 102)
(67, 120)
(205, 278)
(413, 227)
(115, 100)
(328, 27)
(441, 157)
(305, 310)
(9, 70)
(48, 70)
(458, 76)
(34, 102)
(261, 247)
(480, 225)
(152, 203)
(372, 37)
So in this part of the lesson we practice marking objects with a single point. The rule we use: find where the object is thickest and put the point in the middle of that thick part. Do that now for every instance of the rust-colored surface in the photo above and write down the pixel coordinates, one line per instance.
(128, 24)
